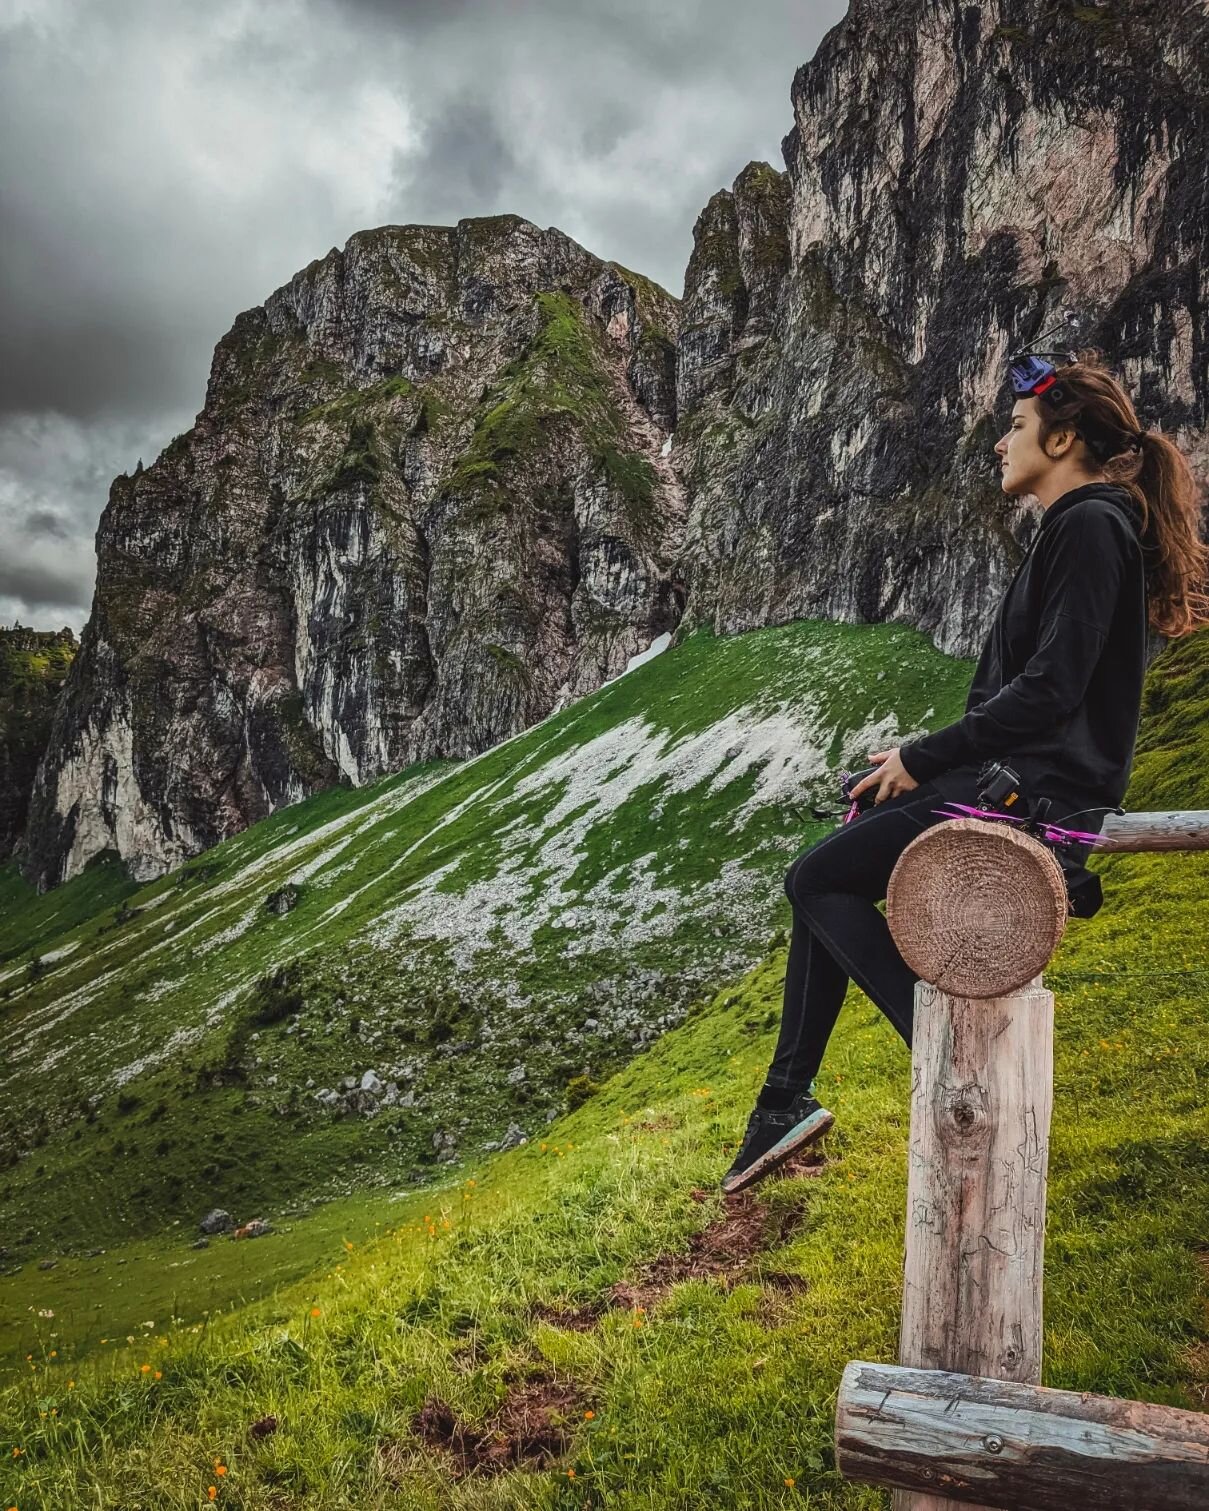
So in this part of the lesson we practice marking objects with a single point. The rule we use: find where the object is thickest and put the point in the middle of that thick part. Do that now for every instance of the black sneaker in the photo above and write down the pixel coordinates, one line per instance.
(772, 1137)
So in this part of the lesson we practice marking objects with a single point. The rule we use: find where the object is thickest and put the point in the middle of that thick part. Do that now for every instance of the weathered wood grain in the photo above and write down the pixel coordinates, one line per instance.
(1006, 1444)
(980, 1117)
(1186, 830)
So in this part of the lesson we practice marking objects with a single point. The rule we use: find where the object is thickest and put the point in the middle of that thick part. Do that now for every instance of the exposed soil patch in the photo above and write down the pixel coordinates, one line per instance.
(532, 1427)
(576, 1319)
(723, 1251)
(1196, 1361)
(467, 1357)
(780, 1287)
(784, 1283)
(809, 1162)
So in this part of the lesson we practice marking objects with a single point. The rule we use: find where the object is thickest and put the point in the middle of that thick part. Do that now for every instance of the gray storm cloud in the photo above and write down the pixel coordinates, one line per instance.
(164, 166)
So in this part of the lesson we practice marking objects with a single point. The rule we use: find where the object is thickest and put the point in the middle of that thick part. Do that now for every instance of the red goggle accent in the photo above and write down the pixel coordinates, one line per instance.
(1045, 383)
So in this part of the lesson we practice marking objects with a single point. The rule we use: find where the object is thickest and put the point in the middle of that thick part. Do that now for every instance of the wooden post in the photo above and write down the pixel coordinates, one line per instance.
(982, 920)
(1018, 1446)
(980, 1117)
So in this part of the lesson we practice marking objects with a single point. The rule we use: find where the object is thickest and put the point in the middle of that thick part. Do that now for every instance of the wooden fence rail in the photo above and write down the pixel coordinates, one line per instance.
(1154, 831)
(1008, 1445)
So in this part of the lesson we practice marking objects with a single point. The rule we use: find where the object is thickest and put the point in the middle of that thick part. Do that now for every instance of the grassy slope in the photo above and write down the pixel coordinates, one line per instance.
(715, 1396)
(454, 922)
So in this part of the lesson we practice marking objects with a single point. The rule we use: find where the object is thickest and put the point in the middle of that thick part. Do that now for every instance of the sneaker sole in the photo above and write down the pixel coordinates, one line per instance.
(798, 1137)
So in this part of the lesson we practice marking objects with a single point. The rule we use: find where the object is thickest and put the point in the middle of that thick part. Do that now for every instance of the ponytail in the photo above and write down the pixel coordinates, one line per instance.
(1178, 557)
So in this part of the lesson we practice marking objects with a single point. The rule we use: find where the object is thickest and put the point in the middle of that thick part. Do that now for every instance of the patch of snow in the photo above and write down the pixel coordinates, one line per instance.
(660, 643)
(596, 779)
(180, 1039)
(61, 953)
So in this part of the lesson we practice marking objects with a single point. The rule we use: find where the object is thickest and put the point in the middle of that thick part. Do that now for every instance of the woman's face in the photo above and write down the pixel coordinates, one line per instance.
(1023, 464)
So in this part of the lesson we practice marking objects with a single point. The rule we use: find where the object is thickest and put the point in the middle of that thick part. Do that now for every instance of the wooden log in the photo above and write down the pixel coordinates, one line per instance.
(976, 907)
(1186, 830)
(1017, 1446)
(980, 1117)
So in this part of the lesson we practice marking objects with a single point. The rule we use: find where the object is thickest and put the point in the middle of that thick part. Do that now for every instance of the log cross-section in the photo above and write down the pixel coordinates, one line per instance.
(1001, 1444)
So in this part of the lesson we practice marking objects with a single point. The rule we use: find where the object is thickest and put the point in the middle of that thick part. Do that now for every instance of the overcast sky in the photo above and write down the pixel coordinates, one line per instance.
(165, 165)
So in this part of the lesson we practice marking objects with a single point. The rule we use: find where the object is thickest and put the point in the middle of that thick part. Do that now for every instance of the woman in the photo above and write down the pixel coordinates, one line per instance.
(1056, 693)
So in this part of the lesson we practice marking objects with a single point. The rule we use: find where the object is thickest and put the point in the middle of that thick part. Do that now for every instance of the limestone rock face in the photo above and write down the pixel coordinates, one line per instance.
(956, 175)
(424, 504)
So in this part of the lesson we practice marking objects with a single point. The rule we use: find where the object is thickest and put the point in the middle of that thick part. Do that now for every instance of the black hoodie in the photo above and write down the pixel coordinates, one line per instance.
(1058, 688)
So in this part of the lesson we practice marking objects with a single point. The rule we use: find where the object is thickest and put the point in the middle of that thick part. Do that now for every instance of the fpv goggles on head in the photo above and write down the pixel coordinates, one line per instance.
(1033, 377)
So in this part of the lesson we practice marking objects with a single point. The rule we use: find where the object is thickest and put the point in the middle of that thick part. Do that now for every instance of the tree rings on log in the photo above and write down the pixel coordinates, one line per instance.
(976, 908)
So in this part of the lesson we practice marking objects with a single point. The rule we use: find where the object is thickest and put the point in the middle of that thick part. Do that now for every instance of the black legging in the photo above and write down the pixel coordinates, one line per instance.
(838, 932)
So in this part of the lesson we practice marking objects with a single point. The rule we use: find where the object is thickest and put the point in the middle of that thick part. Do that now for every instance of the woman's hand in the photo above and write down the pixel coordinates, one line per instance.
(890, 780)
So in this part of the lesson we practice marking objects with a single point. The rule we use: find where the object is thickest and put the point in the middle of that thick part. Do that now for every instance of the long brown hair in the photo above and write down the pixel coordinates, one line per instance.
(1157, 475)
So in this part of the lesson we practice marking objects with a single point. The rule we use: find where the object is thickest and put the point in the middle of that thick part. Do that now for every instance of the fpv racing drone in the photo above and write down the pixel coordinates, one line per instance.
(1033, 377)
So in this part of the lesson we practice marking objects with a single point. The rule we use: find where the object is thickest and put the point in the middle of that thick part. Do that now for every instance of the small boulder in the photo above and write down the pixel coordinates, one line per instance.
(257, 1228)
(514, 1136)
(217, 1221)
(284, 900)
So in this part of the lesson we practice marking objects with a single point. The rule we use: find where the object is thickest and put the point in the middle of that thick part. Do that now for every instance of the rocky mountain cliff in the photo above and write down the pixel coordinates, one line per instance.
(956, 175)
(430, 495)
(426, 502)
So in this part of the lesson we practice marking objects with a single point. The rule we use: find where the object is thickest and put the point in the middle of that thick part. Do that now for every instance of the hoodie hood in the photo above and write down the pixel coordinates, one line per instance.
(1112, 493)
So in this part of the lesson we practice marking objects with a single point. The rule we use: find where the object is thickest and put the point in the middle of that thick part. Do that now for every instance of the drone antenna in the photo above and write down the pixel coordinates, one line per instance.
(1069, 317)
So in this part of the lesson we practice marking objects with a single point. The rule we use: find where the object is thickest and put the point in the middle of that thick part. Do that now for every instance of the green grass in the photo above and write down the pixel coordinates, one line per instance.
(353, 401)
(452, 920)
(28, 920)
(715, 1394)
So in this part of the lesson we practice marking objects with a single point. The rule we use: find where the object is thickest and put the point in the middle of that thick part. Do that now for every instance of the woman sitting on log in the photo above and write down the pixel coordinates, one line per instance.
(1057, 692)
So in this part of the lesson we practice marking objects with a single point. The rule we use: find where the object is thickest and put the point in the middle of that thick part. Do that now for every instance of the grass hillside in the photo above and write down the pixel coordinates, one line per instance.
(490, 938)
(582, 1320)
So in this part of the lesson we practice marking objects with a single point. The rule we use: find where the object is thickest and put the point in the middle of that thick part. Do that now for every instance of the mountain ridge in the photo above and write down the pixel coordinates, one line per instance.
(448, 478)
